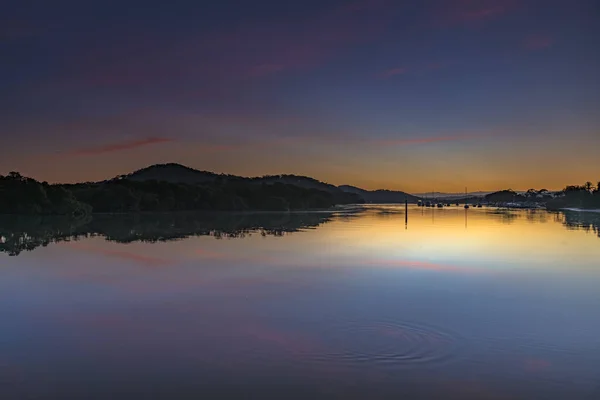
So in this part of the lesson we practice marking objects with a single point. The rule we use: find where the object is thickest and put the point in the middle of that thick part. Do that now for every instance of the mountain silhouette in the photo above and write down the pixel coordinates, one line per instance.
(177, 173)
(381, 195)
(174, 173)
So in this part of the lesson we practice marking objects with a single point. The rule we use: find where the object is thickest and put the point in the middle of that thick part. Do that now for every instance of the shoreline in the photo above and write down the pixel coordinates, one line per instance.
(334, 209)
(572, 209)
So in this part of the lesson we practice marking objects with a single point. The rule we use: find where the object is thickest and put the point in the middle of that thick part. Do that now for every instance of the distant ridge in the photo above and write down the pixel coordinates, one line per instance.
(381, 195)
(177, 173)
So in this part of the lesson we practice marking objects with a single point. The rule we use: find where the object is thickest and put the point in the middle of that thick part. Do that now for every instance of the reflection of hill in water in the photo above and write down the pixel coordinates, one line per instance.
(19, 233)
(27, 233)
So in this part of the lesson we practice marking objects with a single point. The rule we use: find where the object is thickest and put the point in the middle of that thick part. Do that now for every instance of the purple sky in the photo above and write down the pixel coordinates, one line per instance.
(413, 95)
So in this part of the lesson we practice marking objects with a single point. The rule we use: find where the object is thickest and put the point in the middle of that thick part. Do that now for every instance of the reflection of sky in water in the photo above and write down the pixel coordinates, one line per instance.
(507, 305)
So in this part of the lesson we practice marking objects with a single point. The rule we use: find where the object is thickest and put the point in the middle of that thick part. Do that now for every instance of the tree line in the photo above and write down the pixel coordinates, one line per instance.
(572, 196)
(22, 195)
(577, 196)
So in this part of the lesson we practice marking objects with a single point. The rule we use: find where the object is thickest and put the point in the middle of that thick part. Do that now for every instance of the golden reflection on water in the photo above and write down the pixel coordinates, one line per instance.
(453, 236)
(363, 297)
(448, 239)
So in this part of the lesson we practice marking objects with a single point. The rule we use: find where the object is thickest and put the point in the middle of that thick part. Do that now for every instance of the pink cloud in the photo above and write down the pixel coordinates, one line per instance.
(125, 145)
(230, 59)
(393, 72)
(537, 42)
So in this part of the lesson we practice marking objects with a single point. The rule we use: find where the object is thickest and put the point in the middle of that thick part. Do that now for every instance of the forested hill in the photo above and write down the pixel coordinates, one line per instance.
(380, 196)
(177, 173)
(22, 195)
(174, 173)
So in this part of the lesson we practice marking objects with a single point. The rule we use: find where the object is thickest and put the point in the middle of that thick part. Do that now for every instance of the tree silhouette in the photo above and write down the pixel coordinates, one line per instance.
(531, 193)
(20, 195)
(574, 196)
(15, 176)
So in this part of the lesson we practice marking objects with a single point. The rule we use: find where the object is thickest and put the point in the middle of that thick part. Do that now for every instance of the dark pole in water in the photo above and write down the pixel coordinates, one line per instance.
(406, 211)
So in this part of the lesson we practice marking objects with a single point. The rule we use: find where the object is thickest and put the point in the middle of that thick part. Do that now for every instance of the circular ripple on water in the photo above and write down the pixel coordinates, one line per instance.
(393, 343)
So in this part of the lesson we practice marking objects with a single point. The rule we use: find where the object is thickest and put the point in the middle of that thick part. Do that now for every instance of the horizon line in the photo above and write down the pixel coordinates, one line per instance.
(417, 193)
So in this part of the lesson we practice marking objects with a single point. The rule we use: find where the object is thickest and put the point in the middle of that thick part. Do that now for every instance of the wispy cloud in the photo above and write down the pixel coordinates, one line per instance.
(315, 42)
(537, 42)
(125, 145)
(392, 72)
(228, 59)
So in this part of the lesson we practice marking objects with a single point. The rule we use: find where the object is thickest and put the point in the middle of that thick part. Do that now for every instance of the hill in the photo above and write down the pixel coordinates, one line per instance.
(380, 196)
(172, 173)
(165, 189)
(177, 173)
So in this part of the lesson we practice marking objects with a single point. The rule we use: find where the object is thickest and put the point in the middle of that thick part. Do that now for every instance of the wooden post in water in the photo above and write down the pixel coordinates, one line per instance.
(406, 211)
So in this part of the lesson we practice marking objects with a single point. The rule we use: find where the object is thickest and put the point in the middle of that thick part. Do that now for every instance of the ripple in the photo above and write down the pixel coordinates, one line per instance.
(392, 343)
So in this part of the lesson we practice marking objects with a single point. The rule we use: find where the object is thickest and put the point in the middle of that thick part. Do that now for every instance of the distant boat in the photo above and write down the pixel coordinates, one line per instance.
(427, 204)
(479, 205)
(440, 205)
(466, 199)
(420, 203)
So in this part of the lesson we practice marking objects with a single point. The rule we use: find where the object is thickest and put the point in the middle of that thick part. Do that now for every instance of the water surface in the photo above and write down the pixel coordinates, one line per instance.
(357, 303)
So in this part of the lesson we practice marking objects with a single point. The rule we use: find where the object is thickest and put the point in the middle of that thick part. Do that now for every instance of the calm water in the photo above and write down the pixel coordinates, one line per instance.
(480, 305)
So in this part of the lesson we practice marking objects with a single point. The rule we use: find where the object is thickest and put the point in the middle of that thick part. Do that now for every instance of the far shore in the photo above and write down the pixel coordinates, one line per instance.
(346, 207)
(581, 210)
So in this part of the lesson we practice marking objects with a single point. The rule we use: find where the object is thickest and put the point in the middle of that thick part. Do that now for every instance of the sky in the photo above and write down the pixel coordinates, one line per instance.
(429, 95)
